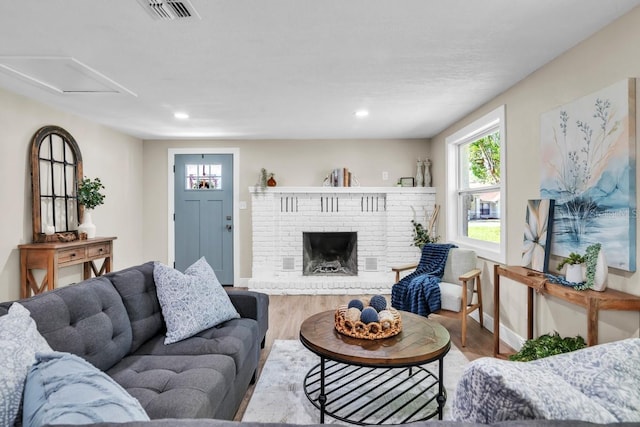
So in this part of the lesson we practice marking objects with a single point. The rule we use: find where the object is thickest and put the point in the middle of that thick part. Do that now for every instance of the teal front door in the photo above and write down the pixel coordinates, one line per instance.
(204, 212)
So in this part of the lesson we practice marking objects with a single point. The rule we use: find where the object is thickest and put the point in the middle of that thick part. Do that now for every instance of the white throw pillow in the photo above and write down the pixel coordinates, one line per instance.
(19, 342)
(191, 301)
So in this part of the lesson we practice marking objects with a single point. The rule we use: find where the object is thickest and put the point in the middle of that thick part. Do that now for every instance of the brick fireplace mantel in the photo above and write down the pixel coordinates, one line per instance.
(381, 217)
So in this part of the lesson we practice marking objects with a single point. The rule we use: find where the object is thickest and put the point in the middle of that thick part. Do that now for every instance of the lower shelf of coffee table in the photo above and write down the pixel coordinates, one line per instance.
(366, 395)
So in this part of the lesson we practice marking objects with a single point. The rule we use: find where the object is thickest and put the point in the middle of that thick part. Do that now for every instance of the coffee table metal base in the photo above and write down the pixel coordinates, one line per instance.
(367, 395)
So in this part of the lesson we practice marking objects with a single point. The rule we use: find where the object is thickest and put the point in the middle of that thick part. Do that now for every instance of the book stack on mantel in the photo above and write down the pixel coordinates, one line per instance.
(340, 177)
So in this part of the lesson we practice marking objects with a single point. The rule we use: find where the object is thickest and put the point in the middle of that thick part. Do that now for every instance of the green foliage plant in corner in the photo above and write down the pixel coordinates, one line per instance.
(547, 345)
(89, 194)
(421, 235)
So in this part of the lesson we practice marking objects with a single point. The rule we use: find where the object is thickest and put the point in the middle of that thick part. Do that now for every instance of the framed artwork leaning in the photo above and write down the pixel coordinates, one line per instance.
(538, 227)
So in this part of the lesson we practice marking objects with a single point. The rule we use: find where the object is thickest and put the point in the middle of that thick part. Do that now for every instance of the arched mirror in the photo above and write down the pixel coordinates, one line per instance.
(56, 170)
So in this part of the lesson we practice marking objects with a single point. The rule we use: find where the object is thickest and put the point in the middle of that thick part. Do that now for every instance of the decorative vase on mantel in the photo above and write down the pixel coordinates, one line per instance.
(419, 173)
(427, 173)
(87, 226)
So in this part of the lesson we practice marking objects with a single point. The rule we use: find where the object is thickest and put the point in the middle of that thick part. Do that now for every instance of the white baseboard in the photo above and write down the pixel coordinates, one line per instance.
(509, 337)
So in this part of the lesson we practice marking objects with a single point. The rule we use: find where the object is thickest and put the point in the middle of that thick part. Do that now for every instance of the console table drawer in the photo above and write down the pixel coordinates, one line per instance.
(71, 255)
(98, 250)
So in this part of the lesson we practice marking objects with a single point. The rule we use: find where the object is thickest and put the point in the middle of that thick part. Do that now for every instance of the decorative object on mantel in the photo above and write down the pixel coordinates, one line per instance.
(341, 177)
(407, 181)
(538, 227)
(90, 197)
(262, 180)
(427, 173)
(271, 182)
(419, 173)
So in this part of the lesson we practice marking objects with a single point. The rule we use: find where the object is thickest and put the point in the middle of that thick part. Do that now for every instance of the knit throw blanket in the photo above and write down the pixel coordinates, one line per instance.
(419, 292)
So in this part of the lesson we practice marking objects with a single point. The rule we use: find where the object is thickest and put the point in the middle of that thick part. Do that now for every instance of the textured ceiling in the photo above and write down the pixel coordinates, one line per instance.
(270, 69)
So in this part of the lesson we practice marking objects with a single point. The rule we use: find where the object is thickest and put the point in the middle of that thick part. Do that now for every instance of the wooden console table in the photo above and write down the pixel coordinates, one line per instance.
(55, 255)
(593, 301)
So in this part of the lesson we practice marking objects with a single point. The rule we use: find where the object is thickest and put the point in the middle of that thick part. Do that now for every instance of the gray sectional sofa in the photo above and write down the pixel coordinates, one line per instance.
(115, 323)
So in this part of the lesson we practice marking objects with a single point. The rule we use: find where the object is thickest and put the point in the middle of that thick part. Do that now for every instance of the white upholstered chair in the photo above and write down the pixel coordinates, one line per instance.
(460, 281)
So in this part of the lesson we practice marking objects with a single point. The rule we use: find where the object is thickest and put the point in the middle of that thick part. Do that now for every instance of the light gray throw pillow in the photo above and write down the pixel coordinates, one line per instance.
(19, 342)
(191, 301)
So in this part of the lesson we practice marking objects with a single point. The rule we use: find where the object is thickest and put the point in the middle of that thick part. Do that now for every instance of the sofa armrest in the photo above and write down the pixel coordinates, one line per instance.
(252, 305)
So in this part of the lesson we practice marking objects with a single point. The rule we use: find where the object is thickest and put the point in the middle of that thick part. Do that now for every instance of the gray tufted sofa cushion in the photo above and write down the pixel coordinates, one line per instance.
(88, 319)
(177, 386)
(138, 292)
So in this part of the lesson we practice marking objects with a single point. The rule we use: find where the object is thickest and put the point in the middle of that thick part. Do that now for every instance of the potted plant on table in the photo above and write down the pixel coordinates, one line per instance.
(575, 267)
(89, 196)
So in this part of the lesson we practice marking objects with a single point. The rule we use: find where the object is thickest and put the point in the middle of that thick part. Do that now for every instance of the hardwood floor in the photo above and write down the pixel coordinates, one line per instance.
(287, 312)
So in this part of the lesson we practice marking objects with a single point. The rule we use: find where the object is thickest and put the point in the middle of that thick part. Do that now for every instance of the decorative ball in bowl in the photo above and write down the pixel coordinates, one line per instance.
(369, 319)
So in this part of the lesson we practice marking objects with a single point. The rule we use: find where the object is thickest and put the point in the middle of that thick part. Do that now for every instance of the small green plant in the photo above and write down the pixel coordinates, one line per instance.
(89, 194)
(547, 345)
(421, 235)
(572, 259)
(262, 180)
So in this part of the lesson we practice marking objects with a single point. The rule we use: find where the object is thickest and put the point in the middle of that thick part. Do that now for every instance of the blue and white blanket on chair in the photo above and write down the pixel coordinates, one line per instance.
(419, 292)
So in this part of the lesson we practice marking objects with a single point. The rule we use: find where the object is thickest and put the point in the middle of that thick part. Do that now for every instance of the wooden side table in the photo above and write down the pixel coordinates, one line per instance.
(53, 256)
(592, 301)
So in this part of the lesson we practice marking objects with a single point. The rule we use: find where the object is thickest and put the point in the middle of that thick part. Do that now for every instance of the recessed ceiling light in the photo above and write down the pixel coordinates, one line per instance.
(181, 116)
(361, 113)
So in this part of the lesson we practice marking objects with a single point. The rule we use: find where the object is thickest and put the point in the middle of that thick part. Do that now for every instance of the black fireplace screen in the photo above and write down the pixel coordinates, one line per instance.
(330, 254)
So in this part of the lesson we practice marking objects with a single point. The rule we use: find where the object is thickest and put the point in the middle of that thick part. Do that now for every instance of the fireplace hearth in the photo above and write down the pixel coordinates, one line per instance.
(330, 253)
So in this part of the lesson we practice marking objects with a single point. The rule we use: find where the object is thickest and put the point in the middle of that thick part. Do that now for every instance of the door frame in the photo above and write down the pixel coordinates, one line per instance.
(171, 238)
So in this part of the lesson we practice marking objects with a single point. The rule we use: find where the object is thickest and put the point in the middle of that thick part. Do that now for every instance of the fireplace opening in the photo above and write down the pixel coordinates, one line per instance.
(330, 254)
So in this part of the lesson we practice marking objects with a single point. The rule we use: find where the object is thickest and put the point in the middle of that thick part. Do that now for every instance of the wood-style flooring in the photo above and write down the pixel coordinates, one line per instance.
(287, 312)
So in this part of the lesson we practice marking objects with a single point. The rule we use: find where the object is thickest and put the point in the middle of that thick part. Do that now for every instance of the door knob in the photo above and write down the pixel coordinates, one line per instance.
(229, 227)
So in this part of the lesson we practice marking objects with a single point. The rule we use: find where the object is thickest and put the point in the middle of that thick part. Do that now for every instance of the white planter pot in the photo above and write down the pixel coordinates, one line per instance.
(576, 273)
(87, 225)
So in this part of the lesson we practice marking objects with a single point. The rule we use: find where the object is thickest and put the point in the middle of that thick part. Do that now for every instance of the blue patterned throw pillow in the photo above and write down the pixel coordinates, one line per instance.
(63, 388)
(191, 301)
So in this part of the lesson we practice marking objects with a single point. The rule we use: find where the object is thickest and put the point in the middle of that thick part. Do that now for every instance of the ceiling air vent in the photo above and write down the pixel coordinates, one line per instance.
(168, 10)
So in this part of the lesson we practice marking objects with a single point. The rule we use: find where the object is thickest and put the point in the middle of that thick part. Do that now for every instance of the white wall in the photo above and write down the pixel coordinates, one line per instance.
(606, 58)
(112, 156)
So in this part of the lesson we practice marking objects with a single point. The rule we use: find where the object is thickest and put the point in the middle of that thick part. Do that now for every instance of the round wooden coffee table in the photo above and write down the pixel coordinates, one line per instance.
(376, 381)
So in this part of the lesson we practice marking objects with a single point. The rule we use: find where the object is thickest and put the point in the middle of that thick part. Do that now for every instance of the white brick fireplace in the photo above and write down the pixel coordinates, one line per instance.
(381, 217)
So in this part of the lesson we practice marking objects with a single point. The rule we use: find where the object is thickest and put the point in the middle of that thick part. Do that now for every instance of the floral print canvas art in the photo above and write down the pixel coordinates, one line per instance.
(588, 167)
(537, 234)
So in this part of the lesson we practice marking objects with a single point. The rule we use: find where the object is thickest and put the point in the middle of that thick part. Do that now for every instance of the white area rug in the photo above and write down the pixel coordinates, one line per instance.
(279, 394)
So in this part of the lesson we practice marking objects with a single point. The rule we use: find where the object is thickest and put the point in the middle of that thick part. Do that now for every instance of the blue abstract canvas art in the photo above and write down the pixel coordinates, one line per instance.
(588, 167)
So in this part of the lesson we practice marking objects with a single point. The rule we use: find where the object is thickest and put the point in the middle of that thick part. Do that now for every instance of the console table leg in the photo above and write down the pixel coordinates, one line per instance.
(592, 322)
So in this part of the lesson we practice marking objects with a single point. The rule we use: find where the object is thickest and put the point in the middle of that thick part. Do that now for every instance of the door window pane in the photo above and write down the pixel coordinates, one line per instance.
(203, 177)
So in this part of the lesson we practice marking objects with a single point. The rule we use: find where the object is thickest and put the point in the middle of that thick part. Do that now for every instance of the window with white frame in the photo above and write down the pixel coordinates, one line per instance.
(476, 180)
